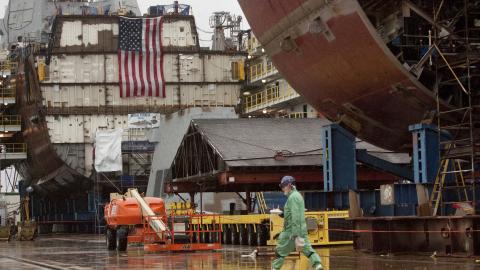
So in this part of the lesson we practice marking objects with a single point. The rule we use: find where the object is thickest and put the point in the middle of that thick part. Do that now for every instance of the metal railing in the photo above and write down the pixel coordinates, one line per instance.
(12, 148)
(268, 97)
(260, 70)
(10, 120)
(8, 66)
(7, 92)
(296, 115)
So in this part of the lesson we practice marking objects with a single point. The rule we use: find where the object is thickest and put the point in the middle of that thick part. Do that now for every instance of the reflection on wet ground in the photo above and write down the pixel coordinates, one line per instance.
(89, 252)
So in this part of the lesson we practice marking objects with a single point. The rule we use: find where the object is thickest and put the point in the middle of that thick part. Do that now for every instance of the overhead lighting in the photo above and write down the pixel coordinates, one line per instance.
(263, 50)
(246, 93)
(5, 103)
(249, 57)
(264, 111)
(249, 116)
(264, 81)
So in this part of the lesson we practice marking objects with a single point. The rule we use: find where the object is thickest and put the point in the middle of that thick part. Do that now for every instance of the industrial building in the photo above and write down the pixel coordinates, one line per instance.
(127, 143)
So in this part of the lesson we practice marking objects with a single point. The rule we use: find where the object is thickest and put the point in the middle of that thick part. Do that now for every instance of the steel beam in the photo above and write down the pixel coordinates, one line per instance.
(382, 165)
(339, 159)
(425, 153)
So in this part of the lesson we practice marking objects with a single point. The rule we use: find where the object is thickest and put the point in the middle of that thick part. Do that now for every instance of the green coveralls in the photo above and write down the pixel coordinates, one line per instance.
(294, 224)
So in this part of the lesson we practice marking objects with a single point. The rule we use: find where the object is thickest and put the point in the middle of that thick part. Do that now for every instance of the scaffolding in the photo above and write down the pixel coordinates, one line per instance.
(454, 50)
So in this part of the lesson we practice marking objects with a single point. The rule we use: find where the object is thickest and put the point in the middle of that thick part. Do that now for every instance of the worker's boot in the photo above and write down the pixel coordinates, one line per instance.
(318, 267)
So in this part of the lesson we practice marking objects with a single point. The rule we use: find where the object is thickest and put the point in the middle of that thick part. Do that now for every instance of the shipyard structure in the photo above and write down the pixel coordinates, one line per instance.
(72, 79)
(121, 124)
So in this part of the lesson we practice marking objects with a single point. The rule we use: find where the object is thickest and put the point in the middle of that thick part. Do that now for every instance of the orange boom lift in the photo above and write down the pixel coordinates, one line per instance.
(132, 218)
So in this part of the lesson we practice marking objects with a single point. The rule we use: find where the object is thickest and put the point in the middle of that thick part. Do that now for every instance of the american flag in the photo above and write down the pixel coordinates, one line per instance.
(140, 57)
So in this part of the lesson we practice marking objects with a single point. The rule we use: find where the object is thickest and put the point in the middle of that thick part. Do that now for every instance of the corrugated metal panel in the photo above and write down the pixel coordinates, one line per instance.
(82, 129)
(101, 95)
(178, 33)
(71, 34)
(101, 34)
(219, 67)
(104, 68)
(85, 68)
(89, 34)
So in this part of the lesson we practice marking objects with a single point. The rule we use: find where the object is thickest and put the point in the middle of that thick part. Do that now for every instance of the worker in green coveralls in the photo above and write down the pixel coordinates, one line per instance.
(294, 235)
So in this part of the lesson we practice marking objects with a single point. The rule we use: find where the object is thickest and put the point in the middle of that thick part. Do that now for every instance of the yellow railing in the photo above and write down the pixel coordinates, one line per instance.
(8, 148)
(296, 115)
(7, 92)
(8, 66)
(268, 96)
(10, 120)
(260, 71)
(256, 71)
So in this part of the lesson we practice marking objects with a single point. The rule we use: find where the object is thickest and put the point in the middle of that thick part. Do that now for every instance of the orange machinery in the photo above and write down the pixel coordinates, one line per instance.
(132, 218)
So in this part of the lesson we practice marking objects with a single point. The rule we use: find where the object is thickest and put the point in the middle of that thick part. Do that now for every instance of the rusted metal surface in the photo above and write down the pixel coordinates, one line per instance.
(332, 55)
(262, 179)
(43, 169)
(452, 235)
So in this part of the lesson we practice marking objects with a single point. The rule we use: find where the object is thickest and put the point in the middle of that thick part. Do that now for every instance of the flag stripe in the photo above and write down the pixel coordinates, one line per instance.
(120, 73)
(127, 77)
(160, 44)
(147, 44)
(155, 66)
(134, 75)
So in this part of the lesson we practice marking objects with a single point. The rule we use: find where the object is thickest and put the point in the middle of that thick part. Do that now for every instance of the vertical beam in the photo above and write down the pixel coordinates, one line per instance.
(339, 159)
(248, 201)
(425, 153)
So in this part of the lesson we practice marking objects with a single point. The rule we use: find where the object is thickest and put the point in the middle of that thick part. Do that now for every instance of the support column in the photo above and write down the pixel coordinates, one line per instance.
(248, 201)
(192, 200)
(426, 158)
(339, 159)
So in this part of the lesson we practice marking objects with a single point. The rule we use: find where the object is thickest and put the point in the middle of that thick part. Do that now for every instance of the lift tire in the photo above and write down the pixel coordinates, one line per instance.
(235, 236)
(226, 238)
(243, 235)
(252, 235)
(205, 235)
(194, 227)
(262, 234)
(214, 236)
(111, 239)
(122, 239)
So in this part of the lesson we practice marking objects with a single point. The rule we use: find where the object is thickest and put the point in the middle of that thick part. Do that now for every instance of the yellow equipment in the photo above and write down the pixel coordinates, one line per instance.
(324, 228)
(26, 229)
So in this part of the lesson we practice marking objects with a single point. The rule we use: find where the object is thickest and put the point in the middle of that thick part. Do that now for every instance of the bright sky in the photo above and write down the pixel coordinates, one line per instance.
(202, 9)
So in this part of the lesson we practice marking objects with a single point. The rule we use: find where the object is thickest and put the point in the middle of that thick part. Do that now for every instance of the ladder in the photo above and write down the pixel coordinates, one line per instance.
(262, 205)
(448, 167)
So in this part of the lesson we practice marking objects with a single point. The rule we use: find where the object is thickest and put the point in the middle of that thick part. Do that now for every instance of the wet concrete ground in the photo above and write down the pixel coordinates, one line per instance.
(89, 252)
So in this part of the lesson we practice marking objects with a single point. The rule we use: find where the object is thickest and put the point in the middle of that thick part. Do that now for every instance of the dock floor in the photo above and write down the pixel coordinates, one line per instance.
(89, 252)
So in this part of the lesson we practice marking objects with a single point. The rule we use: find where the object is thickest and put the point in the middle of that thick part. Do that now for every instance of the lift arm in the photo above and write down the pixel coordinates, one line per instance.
(157, 225)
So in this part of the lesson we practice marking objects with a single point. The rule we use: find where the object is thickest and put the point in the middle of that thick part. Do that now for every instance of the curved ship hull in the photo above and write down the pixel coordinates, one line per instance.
(43, 169)
(332, 55)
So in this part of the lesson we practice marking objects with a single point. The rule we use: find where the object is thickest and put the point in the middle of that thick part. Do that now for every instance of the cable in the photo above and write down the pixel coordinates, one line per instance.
(204, 31)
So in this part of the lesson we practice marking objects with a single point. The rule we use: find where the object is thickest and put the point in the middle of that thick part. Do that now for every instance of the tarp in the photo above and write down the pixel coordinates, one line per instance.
(108, 150)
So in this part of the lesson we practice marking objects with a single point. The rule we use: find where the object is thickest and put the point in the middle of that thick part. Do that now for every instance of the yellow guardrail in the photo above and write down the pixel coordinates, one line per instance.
(260, 71)
(8, 66)
(10, 120)
(9, 148)
(268, 96)
(7, 92)
(296, 115)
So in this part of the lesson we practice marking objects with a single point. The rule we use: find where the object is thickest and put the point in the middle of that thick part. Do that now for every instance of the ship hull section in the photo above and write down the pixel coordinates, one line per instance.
(332, 55)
